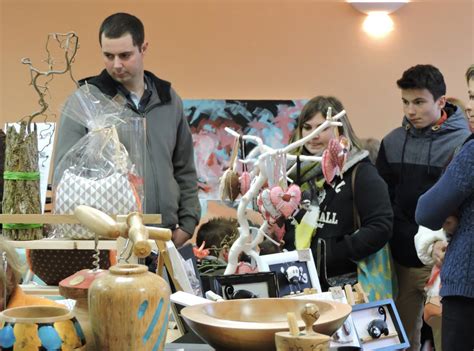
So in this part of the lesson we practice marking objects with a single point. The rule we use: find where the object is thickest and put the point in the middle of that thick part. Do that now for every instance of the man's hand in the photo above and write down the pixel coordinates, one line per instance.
(180, 237)
(450, 224)
(439, 250)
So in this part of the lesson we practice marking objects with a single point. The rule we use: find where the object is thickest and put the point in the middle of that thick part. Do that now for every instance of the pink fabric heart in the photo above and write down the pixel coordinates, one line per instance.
(286, 202)
(245, 181)
(334, 158)
(266, 207)
(329, 166)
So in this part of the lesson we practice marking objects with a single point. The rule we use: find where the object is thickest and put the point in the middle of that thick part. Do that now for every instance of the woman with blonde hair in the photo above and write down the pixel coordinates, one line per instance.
(345, 222)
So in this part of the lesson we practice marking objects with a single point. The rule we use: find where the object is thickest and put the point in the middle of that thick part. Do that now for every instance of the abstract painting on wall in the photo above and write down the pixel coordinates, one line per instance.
(271, 120)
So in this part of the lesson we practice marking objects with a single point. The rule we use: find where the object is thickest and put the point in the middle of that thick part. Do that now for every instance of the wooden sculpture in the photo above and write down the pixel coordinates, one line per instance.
(105, 226)
(306, 340)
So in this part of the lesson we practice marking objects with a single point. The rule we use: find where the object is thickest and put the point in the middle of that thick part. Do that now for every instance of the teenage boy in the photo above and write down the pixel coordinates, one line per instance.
(411, 159)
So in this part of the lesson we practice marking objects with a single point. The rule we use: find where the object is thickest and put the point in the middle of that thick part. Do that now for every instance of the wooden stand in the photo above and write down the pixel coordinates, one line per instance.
(355, 294)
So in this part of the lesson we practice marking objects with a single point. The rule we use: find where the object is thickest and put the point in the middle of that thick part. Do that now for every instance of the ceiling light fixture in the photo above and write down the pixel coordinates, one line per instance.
(378, 22)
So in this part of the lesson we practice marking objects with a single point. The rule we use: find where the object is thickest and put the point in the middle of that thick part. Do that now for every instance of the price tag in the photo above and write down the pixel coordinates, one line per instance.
(304, 255)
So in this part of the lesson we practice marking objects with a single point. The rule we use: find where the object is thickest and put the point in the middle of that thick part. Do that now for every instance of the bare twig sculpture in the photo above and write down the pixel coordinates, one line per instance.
(244, 242)
(69, 44)
(21, 188)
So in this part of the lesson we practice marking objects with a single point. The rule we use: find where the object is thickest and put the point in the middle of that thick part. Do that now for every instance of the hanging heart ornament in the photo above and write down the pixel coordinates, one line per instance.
(286, 202)
(245, 181)
(334, 158)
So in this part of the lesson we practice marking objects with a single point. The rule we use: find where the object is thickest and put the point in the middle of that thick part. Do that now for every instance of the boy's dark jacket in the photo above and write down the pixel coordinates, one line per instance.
(411, 160)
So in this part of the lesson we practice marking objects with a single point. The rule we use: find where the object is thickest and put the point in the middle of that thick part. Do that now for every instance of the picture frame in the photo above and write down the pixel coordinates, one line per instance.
(191, 268)
(251, 285)
(177, 272)
(295, 271)
(364, 315)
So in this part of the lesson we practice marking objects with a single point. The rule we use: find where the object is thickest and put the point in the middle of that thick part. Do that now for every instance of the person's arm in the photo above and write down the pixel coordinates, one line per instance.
(375, 211)
(185, 175)
(67, 135)
(445, 197)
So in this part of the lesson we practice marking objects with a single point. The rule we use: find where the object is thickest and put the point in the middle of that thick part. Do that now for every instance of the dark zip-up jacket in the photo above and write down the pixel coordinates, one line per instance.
(170, 174)
(411, 160)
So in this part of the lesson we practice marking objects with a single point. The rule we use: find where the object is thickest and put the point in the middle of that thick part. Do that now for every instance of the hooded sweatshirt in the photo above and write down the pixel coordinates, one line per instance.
(170, 174)
(411, 160)
(336, 222)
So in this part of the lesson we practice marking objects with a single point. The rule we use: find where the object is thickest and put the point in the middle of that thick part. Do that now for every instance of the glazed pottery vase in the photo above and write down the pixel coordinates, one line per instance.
(40, 328)
(129, 309)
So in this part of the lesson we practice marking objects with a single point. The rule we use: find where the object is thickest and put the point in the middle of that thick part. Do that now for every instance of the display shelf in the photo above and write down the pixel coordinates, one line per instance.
(63, 244)
(40, 290)
(66, 219)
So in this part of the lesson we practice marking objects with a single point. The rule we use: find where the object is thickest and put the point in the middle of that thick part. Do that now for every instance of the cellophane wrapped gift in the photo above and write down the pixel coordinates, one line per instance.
(97, 171)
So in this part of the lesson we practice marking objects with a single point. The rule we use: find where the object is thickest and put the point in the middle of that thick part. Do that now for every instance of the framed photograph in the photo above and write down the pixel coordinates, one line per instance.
(245, 286)
(178, 272)
(379, 327)
(295, 271)
(190, 266)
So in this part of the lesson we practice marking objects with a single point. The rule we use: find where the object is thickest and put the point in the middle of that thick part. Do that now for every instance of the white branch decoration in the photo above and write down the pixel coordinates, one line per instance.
(243, 243)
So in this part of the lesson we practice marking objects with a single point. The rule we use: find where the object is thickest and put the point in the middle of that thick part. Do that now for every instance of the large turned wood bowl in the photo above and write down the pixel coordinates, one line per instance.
(251, 324)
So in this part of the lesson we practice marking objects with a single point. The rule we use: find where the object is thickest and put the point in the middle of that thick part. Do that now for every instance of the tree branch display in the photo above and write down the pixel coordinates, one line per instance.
(21, 174)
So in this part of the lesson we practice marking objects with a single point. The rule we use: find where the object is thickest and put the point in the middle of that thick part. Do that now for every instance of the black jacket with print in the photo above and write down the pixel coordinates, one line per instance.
(336, 224)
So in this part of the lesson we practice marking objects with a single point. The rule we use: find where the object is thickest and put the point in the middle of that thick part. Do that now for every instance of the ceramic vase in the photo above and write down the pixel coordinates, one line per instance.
(40, 328)
(129, 309)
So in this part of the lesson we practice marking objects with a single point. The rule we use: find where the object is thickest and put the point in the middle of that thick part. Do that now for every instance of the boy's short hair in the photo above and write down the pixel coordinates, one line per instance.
(470, 73)
(216, 233)
(423, 77)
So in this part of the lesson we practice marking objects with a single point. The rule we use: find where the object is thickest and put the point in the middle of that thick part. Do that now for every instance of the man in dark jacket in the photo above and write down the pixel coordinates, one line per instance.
(170, 175)
(411, 159)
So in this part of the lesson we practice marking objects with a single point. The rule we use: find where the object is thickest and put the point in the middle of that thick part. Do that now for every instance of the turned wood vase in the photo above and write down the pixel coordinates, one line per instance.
(129, 309)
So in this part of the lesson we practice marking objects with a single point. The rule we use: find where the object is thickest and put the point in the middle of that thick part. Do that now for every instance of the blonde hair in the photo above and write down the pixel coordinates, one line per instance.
(372, 145)
(14, 263)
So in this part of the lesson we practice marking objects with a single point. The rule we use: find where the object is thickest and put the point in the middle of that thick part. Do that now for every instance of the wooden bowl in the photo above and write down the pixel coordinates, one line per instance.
(251, 324)
(40, 328)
